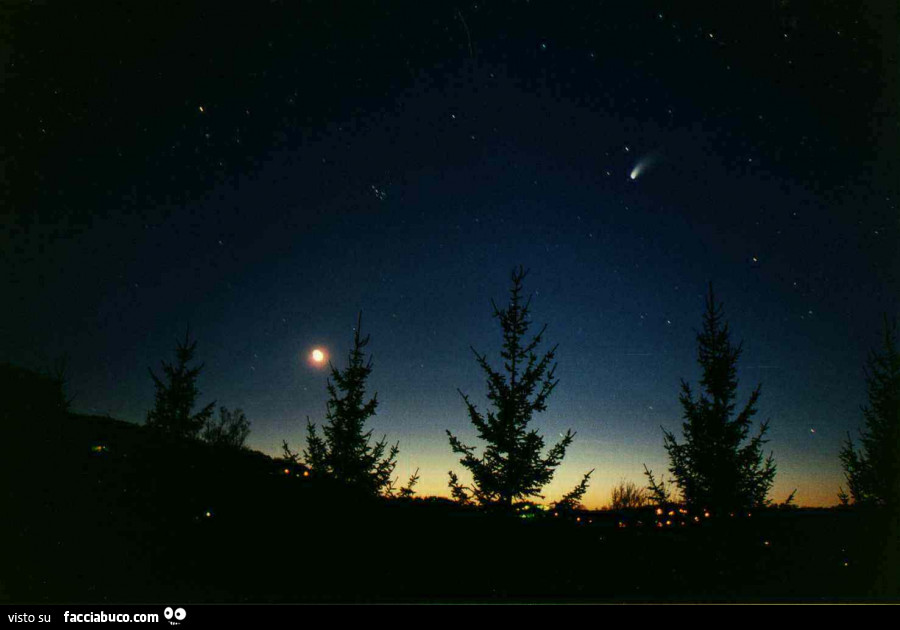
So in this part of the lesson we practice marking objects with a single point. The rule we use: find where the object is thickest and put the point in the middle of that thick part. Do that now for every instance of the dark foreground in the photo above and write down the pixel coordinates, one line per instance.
(96, 510)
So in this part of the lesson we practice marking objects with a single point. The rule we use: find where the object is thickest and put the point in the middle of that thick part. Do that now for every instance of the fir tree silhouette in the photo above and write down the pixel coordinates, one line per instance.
(873, 472)
(660, 492)
(713, 467)
(176, 394)
(512, 466)
(344, 452)
(408, 491)
(572, 499)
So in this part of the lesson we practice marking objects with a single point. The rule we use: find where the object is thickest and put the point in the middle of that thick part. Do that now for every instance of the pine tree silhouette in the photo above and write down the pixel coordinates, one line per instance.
(408, 491)
(572, 499)
(345, 452)
(713, 468)
(512, 466)
(660, 492)
(873, 472)
(176, 395)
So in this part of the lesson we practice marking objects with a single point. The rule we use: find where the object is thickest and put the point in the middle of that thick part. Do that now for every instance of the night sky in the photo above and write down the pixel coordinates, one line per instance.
(263, 172)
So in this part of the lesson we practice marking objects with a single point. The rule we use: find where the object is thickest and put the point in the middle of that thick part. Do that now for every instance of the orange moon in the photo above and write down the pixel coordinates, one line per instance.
(317, 357)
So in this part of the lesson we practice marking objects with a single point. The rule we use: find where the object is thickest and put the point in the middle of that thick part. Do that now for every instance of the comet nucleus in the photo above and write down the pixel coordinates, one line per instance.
(642, 165)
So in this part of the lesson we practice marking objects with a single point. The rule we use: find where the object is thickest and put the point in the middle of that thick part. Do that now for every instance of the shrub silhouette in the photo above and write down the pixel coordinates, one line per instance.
(229, 431)
(628, 495)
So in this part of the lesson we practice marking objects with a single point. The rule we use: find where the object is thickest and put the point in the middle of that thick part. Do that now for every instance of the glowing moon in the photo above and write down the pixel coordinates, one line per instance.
(317, 358)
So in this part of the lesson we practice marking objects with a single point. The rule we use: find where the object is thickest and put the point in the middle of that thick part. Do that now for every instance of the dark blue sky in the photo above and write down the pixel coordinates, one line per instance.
(264, 172)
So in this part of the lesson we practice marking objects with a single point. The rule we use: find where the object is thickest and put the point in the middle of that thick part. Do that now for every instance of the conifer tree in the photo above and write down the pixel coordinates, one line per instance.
(176, 394)
(408, 491)
(344, 452)
(713, 467)
(572, 499)
(513, 466)
(660, 492)
(873, 472)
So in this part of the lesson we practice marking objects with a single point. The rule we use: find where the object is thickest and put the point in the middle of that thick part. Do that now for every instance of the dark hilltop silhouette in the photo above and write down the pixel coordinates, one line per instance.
(179, 509)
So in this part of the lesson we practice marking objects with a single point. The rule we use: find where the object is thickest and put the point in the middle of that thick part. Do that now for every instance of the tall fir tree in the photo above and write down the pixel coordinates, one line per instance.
(717, 467)
(176, 394)
(513, 466)
(345, 451)
(873, 472)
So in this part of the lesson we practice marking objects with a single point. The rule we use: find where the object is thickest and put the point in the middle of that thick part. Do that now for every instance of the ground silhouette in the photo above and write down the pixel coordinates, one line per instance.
(100, 510)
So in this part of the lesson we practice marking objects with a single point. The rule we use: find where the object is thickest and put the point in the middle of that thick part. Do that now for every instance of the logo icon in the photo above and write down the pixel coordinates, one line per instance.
(175, 616)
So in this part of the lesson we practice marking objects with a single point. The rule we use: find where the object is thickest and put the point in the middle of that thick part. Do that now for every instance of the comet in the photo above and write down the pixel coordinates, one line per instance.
(642, 165)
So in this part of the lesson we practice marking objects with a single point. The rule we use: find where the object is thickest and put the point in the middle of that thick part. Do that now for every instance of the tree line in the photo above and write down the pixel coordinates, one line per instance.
(718, 463)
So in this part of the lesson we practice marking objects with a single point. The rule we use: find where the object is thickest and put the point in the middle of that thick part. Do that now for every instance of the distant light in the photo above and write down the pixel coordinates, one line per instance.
(306, 473)
(201, 109)
(287, 471)
(208, 514)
